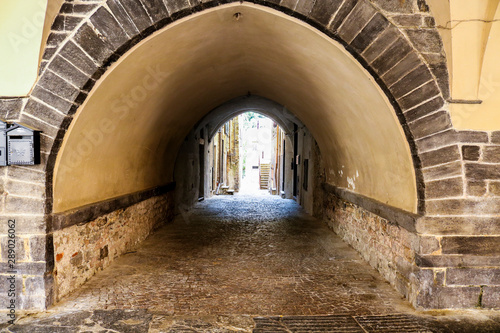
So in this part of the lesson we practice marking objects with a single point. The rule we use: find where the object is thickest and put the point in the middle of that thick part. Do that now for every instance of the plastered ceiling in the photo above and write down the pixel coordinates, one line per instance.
(126, 136)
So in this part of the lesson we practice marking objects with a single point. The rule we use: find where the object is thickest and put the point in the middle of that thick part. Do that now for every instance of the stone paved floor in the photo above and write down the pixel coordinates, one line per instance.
(237, 263)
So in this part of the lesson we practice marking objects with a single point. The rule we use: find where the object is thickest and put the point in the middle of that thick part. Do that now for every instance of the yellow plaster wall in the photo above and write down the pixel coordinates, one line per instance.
(487, 115)
(125, 137)
(470, 32)
(21, 24)
(440, 10)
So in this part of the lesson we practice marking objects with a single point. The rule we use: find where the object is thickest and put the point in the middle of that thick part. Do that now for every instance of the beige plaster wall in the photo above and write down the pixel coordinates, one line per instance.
(125, 137)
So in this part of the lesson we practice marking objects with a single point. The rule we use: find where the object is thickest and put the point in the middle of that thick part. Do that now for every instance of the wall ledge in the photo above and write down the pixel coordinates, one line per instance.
(85, 214)
(394, 215)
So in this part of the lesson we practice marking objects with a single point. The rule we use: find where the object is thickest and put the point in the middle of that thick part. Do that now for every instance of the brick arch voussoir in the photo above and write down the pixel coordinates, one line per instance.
(111, 28)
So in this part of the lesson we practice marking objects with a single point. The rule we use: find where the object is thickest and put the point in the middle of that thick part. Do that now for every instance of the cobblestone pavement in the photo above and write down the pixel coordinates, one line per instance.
(237, 263)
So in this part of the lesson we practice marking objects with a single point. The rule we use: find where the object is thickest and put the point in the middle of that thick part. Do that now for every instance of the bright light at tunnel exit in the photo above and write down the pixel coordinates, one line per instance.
(256, 151)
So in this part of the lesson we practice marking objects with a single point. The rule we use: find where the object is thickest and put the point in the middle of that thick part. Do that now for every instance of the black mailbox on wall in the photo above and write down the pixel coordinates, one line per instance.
(23, 145)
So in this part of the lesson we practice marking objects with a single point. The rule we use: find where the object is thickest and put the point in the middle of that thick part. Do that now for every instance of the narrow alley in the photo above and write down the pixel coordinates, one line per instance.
(238, 263)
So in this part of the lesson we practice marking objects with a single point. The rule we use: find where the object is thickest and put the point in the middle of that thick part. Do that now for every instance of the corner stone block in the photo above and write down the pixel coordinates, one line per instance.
(429, 245)
(7, 284)
(24, 174)
(473, 137)
(483, 246)
(439, 297)
(476, 188)
(453, 169)
(471, 153)
(10, 108)
(491, 154)
(436, 122)
(437, 140)
(24, 224)
(25, 268)
(32, 302)
(473, 276)
(20, 251)
(24, 188)
(491, 297)
(459, 225)
(16, 205)
(444, 188)
(440, 156)
(34, 285)
(470, 207)
(495, 137)
(38, 245)
(477, 171)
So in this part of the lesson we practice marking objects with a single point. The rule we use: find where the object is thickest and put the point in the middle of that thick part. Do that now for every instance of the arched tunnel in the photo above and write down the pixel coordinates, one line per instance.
(126, 98)
(177, 81)
(171, 80)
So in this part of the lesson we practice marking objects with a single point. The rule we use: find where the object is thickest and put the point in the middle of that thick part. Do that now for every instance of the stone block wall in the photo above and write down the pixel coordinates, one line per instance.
(388, 247)
(462, 228)
(22, 201)
(84, 249)
(432, 272)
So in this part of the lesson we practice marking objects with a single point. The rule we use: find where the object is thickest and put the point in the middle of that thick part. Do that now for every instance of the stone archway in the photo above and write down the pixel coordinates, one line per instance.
(403, 65)
(220, 115)
(380, 47)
